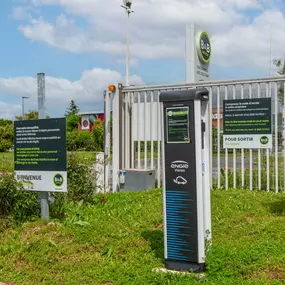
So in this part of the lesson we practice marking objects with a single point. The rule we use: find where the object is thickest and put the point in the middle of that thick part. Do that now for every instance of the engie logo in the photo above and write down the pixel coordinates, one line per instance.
(58, 180)
(264, 140)
(179, 165)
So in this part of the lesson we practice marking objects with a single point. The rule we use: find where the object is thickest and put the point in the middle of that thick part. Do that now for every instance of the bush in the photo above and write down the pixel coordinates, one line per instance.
(6, 137)
(15, 203)
(80, 183)
(80, 179)
(77, 140)
(98, 135)
(84, 141)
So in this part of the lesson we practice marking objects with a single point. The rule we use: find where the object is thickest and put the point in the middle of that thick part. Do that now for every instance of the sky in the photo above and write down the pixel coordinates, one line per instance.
(80, 46)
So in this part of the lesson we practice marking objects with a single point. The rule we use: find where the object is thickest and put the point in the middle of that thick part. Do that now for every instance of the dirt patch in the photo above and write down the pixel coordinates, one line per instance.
(249, 219)
(270, 274)
(159, 226)
(20, 263)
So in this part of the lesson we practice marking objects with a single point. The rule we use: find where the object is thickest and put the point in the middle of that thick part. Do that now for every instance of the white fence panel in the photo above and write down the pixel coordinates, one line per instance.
(136, 141)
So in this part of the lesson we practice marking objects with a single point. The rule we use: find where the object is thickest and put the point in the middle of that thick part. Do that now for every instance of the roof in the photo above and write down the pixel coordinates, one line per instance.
(91, 113)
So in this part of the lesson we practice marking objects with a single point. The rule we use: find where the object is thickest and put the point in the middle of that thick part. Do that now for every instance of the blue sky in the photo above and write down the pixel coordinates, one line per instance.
(80, 48)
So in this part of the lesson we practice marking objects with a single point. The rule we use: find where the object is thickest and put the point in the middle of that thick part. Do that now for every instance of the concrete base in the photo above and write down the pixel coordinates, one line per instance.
(164, 270)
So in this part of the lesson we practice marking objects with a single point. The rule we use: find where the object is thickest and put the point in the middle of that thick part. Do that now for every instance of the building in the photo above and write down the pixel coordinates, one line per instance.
(215, 118)
(87, 119)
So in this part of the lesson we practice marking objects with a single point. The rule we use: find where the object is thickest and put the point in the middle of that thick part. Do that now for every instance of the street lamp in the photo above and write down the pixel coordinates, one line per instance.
(23, 105)
(127, 6)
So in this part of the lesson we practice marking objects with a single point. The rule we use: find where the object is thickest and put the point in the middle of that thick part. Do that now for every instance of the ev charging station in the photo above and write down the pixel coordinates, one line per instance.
(186, 184)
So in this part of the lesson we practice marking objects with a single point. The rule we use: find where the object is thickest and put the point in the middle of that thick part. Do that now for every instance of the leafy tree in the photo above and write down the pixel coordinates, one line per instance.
(72, 109)
(98, 135)
(6, 137)
(71, 122)
(32, 115)
(280, 64)
(4, 122)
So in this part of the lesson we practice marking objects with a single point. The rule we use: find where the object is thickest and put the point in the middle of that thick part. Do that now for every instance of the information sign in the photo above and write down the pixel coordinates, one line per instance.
(178, 125)
(40, 154)
(247, 123)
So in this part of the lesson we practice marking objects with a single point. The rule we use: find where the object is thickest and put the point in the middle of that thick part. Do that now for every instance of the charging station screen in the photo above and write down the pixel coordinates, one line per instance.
(177, 124)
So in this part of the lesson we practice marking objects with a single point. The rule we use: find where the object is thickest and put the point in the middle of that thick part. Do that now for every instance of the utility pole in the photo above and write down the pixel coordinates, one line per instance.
(127, 6)
(23, 106)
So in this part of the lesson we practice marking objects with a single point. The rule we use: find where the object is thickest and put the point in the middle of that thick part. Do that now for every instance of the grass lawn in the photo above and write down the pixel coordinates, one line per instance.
(119, 240)
(7, 159)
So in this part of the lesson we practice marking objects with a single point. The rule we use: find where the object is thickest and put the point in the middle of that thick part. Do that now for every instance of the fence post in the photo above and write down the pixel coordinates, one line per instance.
(116, 153)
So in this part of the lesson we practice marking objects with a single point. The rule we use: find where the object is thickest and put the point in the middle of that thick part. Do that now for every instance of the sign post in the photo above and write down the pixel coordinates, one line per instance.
(186, 188)
(40, 160)
(247, 123)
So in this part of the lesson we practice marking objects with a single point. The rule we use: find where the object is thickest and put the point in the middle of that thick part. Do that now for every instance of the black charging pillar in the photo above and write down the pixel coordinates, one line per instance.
(183, 145)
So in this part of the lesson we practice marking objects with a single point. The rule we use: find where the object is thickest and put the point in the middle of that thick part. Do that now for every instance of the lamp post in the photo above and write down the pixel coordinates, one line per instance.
(127, 6)
(23, 105)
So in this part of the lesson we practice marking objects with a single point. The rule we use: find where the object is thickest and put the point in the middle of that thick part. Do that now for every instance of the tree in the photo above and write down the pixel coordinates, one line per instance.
(280, 64)
(72, 109)
(32, 115)
(4, 122)
(6, 137)
(72, 122)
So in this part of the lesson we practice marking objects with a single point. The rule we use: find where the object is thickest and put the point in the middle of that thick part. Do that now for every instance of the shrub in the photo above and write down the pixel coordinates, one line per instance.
(27, 206)
(98, 135)
(71, 140)
(6, 137)
(85, 141)
(80, 179)
(8, 193)
(77, 140)
(15, 202)
(80, 184)
(72, 121)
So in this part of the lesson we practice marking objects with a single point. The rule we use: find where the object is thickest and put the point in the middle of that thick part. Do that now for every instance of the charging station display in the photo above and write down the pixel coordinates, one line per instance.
(178, 125)
(183, 179)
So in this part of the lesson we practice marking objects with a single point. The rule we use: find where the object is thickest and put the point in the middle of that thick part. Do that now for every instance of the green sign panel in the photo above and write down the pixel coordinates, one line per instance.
(247, 123)
(247, 116)
(40, 154)
(177, 125)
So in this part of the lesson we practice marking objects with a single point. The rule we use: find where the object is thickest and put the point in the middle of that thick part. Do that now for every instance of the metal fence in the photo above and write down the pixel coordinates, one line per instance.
(133, 135)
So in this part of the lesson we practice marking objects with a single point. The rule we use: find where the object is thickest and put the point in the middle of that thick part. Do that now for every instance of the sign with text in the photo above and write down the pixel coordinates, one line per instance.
(178, 125)
(247, 123)
(40, 154)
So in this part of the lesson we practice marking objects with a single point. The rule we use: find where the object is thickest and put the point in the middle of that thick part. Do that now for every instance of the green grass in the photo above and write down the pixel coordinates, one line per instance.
(7, 159)
(119, 240)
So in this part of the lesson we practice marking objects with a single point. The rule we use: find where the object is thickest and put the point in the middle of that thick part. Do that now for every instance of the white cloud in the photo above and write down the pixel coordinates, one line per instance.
(158, 28)
(20, 12)
(87, 91)
(8, 111)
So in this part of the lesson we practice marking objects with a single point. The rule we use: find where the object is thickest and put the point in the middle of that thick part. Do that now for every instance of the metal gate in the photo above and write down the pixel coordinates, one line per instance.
(133, 134)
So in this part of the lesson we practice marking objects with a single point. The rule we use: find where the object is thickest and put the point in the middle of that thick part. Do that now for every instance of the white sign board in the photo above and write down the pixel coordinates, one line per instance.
(247, 141)
(43, 180)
